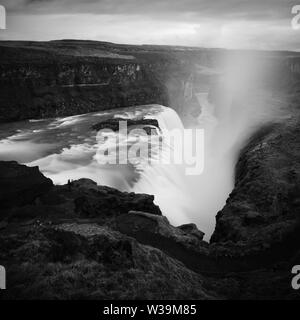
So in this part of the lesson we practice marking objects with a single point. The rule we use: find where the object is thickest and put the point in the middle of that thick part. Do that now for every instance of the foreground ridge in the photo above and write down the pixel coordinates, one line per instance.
(81, 240)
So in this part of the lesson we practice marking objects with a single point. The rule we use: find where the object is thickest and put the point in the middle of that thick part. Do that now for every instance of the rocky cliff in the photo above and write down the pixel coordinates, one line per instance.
(64, 242)
(41, 80)
(83, 241)
(59, 78)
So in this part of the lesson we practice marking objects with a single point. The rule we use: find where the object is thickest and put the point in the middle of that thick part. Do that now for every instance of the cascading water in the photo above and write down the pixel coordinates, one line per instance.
(167, 181)
(67, 148)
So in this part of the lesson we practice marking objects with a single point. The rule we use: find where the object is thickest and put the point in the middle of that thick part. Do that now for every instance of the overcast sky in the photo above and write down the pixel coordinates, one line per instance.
(247, 24)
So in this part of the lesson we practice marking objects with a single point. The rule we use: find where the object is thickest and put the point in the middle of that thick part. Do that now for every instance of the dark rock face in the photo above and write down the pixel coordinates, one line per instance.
(149, 228)
(63, 78)
(21, 185)
(264, 205)
(192, 230)
(45, 80)
(62, 84)
(156, 231)
(105, 201)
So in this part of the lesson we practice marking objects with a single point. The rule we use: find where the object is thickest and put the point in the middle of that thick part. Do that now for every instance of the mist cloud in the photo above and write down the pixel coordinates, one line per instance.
(261, 24)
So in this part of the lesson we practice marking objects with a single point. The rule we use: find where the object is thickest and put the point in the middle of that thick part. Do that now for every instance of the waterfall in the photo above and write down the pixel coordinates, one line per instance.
(196, 198)
(67, 149)
(167, 181)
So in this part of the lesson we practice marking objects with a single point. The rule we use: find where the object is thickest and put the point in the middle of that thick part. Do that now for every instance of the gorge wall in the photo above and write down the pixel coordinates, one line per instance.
(61, 78)
(41, 80)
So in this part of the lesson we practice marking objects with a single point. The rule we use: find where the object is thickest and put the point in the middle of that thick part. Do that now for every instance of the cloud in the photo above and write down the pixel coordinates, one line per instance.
(253, 24)
(254, 9)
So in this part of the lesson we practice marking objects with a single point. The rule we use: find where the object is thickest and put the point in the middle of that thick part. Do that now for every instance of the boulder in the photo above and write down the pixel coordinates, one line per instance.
(151, 228)
(136, 221)
(21, 185)
(192, 230)
(102, 201)
(3, 224)
(84, 183)
(156, 231)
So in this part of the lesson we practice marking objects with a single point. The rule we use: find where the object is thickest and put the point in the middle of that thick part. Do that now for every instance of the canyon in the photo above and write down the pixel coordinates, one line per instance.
(64, 240)
(85, 240)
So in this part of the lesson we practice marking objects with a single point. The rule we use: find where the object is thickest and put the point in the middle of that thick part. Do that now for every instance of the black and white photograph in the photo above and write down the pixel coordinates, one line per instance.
(149, 151)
